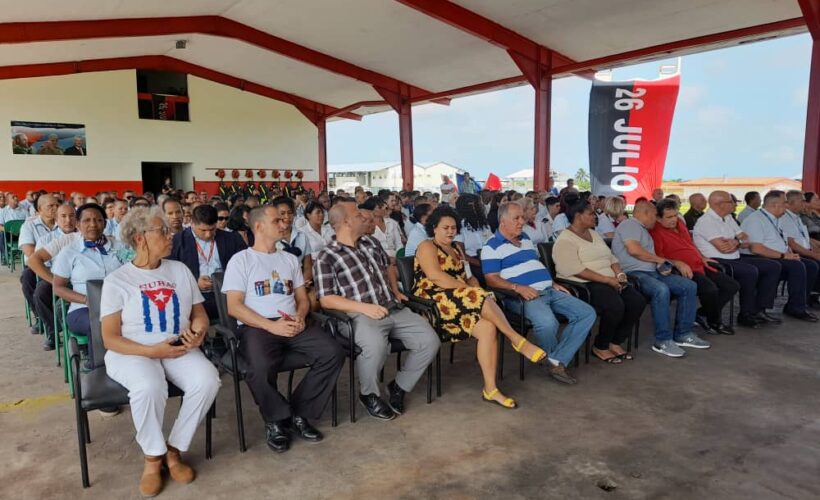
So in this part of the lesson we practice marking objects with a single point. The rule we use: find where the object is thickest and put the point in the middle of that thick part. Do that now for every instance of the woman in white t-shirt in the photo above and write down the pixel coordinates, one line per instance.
(153, 323)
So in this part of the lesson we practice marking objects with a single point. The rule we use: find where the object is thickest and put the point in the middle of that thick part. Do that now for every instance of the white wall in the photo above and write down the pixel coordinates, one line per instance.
(228, 129)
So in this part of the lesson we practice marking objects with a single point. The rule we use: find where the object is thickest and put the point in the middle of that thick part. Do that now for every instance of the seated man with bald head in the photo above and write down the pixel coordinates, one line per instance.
(697, 206)
(718, 236)
(350, 276)
(635, 249)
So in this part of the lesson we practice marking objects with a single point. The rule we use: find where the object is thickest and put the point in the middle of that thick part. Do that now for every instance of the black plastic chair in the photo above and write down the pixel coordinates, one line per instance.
(235, 365)
(425, 307)
(339, 321)
(94, 390)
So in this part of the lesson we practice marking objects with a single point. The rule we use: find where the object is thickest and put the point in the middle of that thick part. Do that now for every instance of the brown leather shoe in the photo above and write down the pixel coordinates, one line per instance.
(180, 472)
(151, 483)
(560, 373)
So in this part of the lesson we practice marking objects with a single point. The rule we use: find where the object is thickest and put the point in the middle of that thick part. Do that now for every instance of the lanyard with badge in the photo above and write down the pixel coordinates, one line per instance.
(780, 231)
(202, 253)
(799, 224)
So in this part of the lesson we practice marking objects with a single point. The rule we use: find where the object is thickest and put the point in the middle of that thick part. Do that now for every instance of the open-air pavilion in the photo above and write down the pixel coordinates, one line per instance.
(736, 421)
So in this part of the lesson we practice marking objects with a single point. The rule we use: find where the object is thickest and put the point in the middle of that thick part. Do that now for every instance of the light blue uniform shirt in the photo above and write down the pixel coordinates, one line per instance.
(414, 239)
(764, 228)
(79, 265)
(32, 231)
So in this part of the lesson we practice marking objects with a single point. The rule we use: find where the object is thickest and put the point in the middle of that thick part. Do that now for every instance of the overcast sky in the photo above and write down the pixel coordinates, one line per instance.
(741, 111)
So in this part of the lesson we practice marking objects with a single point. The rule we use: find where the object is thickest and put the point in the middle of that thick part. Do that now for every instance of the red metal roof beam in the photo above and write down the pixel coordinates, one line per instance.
(306, 106)
(207, 25)
(484, 28)
(672, 47)
(811, 14)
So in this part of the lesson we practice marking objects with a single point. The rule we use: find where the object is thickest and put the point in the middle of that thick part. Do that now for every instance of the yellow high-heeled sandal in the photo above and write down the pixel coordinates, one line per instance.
(538, 355)
(508, 403)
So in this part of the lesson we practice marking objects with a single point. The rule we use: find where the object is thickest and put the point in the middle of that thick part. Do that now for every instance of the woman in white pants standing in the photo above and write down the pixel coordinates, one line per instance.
(148, 306)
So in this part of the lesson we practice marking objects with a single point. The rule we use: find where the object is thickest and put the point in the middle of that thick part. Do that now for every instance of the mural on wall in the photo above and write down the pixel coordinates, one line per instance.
(42, 138)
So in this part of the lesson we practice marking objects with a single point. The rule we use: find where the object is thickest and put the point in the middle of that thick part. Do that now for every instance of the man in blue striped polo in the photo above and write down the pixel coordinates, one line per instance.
(510, 261)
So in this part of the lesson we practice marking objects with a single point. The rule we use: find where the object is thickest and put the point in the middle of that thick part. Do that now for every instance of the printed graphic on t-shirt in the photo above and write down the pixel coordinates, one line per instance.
(274, 285)
(157, 298)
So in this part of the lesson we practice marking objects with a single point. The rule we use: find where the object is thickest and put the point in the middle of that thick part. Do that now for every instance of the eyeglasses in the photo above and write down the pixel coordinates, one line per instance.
(164, 230)
(220, 219)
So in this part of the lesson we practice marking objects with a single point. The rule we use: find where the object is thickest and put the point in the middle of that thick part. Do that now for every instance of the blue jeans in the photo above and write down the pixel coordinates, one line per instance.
(659, 290)
(541, 313)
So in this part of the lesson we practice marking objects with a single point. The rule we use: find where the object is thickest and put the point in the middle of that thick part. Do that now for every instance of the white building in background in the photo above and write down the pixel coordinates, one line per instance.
(522, 180)
(387, 175)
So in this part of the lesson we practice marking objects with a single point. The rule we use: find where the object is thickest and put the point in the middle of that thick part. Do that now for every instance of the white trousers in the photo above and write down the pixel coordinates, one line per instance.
(147, 382)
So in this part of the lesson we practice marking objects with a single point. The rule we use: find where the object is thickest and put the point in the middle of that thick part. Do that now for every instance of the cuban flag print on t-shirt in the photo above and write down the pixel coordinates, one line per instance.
(159, 304)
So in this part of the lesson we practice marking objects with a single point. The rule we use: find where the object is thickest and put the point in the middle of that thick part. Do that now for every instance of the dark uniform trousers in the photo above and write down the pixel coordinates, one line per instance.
(265, 353)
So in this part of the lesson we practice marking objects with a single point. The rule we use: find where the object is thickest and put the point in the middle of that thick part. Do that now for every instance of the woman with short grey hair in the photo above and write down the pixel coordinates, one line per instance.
(153, 323)
(614, 207)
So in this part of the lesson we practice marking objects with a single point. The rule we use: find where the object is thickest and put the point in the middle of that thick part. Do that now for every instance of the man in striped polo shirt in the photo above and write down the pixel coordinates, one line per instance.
(510, 261)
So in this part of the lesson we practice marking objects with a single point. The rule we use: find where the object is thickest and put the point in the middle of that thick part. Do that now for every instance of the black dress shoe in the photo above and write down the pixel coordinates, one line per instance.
(747, 321)
(764, 317)
(48, 346)
(704, 325)
(376, 407)
(722, 329)
(303, 429)
(801, 315)
(34, 330)
(396, 400)
(277, 435)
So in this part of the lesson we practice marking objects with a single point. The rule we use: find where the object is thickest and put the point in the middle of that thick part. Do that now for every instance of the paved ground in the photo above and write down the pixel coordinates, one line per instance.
(737, 421)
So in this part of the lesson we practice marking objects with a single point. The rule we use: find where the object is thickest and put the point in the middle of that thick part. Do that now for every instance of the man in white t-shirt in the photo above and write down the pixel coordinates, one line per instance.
(267, 296)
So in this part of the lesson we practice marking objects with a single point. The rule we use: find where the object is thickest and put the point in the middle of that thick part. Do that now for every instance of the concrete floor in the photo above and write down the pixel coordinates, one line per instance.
(737, 421)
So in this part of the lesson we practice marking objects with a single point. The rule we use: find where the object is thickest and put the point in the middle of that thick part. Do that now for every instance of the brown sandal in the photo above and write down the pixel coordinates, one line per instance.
(151, 483)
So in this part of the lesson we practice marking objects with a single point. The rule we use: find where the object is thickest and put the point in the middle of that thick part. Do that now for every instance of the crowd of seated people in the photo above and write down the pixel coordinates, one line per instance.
(478, 258)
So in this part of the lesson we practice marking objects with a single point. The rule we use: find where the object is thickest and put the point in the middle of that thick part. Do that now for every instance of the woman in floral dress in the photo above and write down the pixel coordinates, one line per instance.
(465, 309)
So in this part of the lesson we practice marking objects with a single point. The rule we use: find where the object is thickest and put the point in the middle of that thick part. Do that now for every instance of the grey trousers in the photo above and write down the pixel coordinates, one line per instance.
(372, 337)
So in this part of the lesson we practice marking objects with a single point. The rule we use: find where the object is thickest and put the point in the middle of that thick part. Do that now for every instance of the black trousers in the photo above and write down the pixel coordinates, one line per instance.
(28, 281)
(265, 354)
(42, 305)
(800, 276)
(618, 312)
(758, 278)
(715, 290)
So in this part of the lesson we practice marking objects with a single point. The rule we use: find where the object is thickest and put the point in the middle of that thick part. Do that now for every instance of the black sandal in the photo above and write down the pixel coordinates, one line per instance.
(626, 356)
(614, 360)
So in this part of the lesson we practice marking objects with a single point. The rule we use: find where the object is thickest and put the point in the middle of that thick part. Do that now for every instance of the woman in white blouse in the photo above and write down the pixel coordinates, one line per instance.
(318, 233)
(533, 228)
(475, 231)
(612, 215)
(387, 230)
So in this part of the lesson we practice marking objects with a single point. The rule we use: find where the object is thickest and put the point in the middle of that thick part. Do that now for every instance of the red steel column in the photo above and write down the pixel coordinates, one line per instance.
(543, 128)
(400, 102)
(321, 126)
(539, 75)
(811, 148)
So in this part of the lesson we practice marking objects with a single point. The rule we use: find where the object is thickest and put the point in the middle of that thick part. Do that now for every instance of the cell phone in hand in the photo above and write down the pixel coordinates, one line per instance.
(177, 341)
(285, 316)
(665, 267)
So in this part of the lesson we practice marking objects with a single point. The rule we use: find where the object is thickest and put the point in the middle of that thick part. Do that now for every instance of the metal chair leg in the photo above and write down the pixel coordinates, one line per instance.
(587, 348)
(438, 374)
(500, 357)
(334, 416)
(429, 384)
(452, 351)
(208, 417)
(352, 391)
(290, 384)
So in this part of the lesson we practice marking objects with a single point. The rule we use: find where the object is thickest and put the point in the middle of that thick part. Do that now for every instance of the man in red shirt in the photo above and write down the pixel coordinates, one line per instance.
(715, 288)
